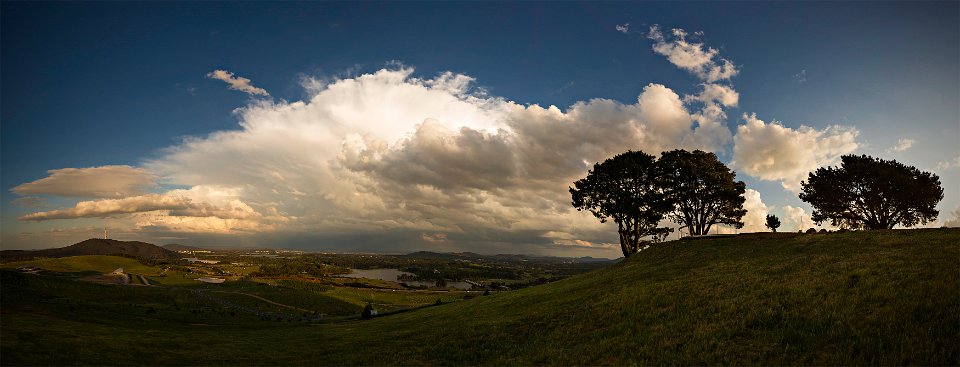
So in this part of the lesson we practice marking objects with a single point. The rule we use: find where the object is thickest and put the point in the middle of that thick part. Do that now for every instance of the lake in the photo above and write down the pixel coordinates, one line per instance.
(391, 276)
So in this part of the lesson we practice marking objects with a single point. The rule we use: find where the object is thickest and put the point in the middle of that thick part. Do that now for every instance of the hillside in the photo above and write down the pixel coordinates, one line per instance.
(85, 263)
(98, 246)
(883, 297)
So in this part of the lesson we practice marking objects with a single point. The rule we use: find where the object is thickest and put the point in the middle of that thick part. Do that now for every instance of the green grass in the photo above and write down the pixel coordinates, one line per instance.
(98, 263)
(392, 299)
(880, 298)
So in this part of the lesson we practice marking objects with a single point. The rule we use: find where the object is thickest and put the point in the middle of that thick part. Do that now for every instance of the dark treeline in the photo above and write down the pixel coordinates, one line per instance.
(281, 267)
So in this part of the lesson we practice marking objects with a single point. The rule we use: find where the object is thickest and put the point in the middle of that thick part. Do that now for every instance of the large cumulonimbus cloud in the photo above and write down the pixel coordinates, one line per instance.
(390, 159)
(389, 152)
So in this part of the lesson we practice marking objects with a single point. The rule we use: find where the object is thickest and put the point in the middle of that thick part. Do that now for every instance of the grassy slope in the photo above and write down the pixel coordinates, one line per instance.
(857, 298)
(100, 263)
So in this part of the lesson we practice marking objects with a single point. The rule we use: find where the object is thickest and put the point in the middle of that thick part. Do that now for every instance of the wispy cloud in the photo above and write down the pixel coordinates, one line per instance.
(237, 82)
(108, 207)
(623, 28)
(902, 145)
(29, 202)
(949, 164)
(800, 77)
(695, 57)
(103, 181)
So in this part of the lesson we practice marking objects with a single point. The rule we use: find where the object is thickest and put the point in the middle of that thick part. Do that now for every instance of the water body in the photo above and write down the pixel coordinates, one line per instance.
(390, 275)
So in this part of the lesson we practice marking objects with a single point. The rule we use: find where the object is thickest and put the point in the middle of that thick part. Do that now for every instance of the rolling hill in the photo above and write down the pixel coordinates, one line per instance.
(97, 246)
(879, 298)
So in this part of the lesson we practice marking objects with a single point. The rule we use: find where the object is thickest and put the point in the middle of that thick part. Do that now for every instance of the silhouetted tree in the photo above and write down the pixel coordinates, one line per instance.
(368, 312)
(773, 222)
(625, 188)
(871, 193)
(702, 189)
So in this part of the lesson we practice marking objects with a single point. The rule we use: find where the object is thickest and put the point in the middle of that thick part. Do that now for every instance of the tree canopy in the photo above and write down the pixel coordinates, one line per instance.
(871, 193)
(703, 190)
(773, 222)
(627, 189)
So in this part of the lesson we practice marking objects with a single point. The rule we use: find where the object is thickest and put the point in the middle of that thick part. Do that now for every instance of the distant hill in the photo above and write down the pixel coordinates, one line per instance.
(179, 247)
(97, 246)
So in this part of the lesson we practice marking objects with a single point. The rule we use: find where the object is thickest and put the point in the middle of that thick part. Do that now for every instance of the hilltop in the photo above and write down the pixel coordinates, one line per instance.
(878, 297)
(97, 246)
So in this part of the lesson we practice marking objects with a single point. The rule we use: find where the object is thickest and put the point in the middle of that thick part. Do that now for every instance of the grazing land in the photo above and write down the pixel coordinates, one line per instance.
(878, 297)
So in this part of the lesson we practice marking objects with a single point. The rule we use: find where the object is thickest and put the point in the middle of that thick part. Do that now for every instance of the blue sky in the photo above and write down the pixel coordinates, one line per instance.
(119, 85)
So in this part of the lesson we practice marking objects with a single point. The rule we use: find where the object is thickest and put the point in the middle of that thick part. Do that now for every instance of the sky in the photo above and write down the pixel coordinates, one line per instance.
(406, 126)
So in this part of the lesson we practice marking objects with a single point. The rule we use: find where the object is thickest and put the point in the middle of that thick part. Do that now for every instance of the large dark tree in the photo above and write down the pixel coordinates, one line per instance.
(625, 188)
(703, 190)
(871, 193)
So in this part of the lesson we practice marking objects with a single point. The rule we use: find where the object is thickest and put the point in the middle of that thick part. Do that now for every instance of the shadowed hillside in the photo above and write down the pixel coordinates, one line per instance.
(98, 246)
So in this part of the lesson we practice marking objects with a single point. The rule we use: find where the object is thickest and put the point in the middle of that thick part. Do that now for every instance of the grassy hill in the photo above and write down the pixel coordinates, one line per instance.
(98, 246)
(884, 297)
(95, 263)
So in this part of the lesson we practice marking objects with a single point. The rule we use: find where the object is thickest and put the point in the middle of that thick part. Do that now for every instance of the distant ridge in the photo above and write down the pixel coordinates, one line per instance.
(97, 246)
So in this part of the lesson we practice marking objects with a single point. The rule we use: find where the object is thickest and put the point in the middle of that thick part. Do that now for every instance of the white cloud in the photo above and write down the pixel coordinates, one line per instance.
(902, 145)
(702, 61)
(756, 218)
(949, 164)
(623, 28)
(712, 133)
(199, 209)
(777, 153)
(797, 218)
(107, 207)
(237, 82)
(103, 181)
(953, 222)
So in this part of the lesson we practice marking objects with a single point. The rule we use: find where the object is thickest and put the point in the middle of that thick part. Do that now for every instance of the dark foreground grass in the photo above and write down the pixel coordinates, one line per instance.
(882, 298)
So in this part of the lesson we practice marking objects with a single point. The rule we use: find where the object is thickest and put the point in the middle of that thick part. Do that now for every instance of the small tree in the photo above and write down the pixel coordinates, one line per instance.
(702, 189)
(625, 188)
(871, 193)
(368, 312)
(773, 222)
